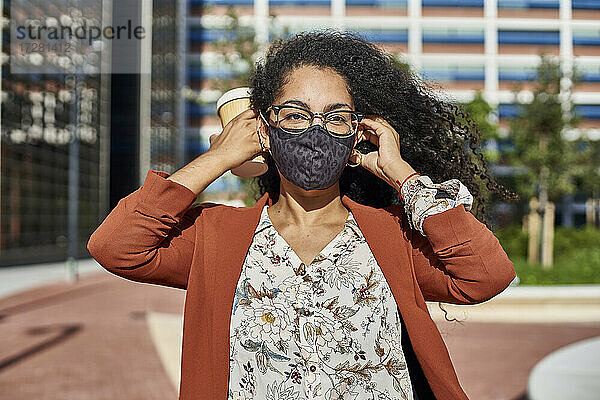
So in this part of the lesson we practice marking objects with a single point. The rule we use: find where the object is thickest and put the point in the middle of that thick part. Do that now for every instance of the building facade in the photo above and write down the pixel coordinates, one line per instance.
(54, 194)
(41, 114)
(463, 45)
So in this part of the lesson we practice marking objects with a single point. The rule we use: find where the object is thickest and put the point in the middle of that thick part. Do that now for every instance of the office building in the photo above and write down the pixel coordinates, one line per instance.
(464, 45)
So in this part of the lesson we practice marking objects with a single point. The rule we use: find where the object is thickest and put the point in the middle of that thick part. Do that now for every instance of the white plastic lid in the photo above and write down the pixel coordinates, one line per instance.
(233, 94)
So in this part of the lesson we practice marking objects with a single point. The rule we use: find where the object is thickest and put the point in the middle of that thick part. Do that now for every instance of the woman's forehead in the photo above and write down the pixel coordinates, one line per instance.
(316, 87)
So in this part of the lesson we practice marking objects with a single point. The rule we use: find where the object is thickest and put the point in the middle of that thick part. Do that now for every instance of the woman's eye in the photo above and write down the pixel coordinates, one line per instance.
(297, 116)
(337, 118)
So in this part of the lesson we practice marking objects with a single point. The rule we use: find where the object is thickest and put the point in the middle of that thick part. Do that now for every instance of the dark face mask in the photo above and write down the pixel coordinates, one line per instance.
(311, 160)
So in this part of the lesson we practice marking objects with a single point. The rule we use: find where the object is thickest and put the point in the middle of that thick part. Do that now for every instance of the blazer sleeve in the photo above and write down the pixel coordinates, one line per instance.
(150, 234)
(460, 260)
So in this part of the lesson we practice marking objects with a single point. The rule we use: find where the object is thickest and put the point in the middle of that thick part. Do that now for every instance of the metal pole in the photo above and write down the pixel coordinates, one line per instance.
(73, 234)
(1, 77)
(145, 103)
(181, 83)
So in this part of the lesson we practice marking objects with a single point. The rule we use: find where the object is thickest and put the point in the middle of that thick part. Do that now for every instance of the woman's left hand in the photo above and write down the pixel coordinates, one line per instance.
(386, 162)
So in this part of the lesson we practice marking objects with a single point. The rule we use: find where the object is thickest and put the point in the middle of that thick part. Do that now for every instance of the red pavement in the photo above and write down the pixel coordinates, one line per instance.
(84, 341)
(493, 360)
(90, 340)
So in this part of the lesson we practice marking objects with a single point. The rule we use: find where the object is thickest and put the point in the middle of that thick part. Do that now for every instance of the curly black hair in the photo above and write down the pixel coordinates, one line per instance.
(437, 137)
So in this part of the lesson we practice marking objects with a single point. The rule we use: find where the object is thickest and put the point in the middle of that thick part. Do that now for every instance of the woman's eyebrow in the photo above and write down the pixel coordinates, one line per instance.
(297, 102)
(327, 108)
(335, 106)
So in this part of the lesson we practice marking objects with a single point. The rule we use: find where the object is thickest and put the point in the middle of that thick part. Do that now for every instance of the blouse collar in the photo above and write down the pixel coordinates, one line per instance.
(265, 222)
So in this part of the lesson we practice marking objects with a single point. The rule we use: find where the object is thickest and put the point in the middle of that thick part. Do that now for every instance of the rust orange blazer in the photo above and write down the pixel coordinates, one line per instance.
(158, 235)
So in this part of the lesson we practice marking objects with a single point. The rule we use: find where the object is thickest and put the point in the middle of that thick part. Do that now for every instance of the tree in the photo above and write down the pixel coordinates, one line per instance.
(238, 48)
(236, 52)
(485, 117)
(541, 149)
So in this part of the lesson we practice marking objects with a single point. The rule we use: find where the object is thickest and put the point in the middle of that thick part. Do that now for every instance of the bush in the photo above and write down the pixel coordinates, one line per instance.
(513, 240)
(576, 256)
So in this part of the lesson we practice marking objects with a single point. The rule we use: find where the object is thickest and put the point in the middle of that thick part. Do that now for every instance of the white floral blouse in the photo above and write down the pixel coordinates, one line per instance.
(328, 330)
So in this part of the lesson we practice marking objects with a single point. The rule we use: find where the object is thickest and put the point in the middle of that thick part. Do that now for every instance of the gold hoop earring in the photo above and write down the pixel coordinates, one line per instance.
(357, 164)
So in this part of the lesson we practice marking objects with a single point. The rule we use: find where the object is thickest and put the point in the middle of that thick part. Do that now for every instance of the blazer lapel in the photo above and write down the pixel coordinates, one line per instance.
(230, 234)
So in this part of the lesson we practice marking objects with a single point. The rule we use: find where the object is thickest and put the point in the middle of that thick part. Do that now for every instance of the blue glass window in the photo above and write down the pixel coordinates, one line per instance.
(454, 73)
(221, 72)
(195, 146)
(591, 111)
(299, 2)
(382, 35)
(378, 3)
(589, 73)
(199, 35)
(586, 37)
(507, 110)
(548, 4)
(529, 37)
(452, 35)
(197, 110)
(516, 73)
(452, 3)
(585, 4)
(221, 2)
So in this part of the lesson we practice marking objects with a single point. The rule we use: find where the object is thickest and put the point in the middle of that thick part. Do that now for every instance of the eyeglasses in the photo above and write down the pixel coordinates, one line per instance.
(296, 120)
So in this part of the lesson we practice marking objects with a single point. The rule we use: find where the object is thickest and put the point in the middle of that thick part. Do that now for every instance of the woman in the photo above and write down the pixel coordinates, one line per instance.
(319, 289)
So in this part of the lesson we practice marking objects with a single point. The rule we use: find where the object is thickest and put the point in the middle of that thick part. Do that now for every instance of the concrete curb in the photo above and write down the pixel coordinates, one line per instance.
(166, 331)
(551, 291)
(14, 280)
(527, 304)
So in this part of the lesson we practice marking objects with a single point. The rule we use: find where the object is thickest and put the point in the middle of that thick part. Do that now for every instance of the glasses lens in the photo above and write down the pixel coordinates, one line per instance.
(338, 123)
(293, 119)
(341, 123)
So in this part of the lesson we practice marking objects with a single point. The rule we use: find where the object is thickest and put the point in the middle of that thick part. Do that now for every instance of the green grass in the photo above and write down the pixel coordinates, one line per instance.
(576, 256)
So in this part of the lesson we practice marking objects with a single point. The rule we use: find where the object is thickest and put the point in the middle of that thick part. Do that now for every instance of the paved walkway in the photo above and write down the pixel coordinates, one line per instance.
(92, 340)
(84, 341)
(531, 304)
(493, 360)
(19, 278)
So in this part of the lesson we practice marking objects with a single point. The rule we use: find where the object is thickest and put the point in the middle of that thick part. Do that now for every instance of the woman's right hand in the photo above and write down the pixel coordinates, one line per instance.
(239, 141)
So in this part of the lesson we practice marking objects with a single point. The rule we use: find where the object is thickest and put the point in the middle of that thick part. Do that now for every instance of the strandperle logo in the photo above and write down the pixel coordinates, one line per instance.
(83, 36)
(81, 32)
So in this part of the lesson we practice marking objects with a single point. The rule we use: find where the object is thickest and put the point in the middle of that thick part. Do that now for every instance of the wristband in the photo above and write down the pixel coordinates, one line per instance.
(403, 182)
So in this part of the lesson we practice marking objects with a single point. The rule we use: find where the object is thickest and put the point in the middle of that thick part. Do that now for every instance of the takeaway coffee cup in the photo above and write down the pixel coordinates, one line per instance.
(229, 105)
